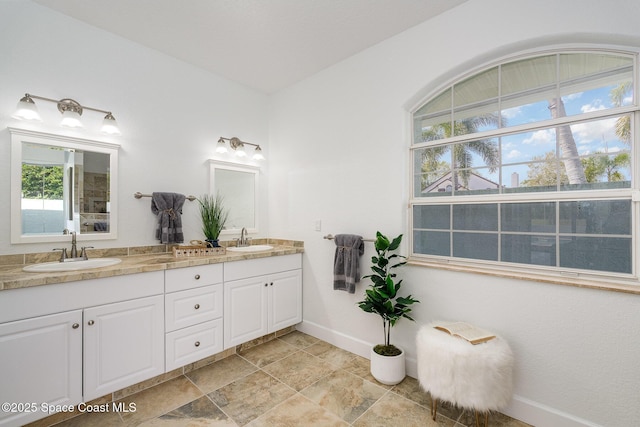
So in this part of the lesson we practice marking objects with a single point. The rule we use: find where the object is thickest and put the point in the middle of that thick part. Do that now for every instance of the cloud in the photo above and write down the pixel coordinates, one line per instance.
(596, 105)
(541, 137)
(513, 154)
(572, 96)
(510, 113)
(599, 130)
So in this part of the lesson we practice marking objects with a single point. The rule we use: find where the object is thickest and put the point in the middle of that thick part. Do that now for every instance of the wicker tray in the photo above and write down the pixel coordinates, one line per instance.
(195, 250)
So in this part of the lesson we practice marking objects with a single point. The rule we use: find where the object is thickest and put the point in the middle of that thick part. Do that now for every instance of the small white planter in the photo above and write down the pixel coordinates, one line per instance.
(389, 370)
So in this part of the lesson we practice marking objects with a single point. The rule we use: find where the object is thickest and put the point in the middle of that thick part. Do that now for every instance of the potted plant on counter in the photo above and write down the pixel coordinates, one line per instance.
(214, 216)
(381, 298)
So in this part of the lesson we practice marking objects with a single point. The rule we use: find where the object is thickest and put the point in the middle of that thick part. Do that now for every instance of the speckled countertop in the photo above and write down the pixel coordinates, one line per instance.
(134, 260)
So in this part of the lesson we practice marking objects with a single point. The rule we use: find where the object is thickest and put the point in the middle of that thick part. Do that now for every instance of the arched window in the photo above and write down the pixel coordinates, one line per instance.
(530, 164)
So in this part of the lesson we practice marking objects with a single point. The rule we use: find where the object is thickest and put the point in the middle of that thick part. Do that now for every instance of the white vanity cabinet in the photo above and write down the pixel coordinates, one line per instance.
(41, 363)
(67, 343)
(193, 314)
(261, 296)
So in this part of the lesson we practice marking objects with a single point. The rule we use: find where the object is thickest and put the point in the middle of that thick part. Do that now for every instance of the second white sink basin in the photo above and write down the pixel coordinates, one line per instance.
(48, 267)
(253, 248)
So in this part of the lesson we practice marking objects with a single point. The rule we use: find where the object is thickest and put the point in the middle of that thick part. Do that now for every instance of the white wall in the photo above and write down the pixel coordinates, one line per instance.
(339, 143)
(170, 113)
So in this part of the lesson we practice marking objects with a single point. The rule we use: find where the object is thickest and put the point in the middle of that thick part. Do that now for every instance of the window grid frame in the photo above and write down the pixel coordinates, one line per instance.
(632, 193)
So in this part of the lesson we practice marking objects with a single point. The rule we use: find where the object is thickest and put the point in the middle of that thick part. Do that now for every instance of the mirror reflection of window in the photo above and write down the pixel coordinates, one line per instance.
(42, 198)
(62, 183)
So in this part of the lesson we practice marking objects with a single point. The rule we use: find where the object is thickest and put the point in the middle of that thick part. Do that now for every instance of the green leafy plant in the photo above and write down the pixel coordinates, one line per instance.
(213, 215)
(382, 297)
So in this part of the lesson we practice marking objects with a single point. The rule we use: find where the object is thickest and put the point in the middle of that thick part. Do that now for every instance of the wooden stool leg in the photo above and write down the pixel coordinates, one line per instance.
(434, 407)
(478, 418)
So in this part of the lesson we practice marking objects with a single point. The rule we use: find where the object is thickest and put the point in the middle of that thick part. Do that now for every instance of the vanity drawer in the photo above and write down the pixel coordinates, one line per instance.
(194, 343)
(192, 277)
(187, 308)
(261, 266)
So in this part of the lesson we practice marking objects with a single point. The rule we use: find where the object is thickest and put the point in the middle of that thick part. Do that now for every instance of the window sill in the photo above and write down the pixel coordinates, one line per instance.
(631, 287)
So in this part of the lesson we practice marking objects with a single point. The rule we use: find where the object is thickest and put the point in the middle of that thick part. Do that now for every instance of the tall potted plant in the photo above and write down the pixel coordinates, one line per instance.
(381, 298)
(214, 216)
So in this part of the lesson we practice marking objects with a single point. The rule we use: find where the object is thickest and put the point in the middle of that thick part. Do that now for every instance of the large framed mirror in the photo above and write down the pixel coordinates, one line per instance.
(238, 186)
(62, 184)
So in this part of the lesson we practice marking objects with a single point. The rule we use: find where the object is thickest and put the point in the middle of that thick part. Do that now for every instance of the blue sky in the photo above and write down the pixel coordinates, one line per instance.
(591, 137)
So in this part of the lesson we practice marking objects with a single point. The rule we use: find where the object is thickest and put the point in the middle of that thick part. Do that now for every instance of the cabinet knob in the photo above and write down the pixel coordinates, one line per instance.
(266, 284)
(271, 284)
(197, 277)
(90, 322)
(75, 326)
(197, 344)
(197, 306)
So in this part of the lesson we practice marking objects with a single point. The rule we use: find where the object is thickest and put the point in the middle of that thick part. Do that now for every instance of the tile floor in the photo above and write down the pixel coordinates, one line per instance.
(294, 380)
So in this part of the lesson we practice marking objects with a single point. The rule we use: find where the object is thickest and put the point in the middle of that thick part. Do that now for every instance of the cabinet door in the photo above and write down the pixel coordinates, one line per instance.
(41, 364)
(285, 299)
(245, 310)
(123, 344)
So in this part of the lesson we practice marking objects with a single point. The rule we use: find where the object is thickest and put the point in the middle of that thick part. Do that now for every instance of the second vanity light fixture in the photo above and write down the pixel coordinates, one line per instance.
(238, 147)
(71, 111)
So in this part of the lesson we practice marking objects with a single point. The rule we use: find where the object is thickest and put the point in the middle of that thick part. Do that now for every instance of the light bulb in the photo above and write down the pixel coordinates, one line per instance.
(27, 110)
(109, 125)
(257, 155)
(240, 152)
(71, 119)
(221, 147)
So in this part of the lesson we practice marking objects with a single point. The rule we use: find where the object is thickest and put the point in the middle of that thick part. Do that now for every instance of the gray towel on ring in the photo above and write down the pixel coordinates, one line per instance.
(346, 262)
(168, 208)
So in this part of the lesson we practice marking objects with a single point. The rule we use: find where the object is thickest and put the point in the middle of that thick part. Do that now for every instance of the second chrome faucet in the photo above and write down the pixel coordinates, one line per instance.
(73, 256)
(243, 240)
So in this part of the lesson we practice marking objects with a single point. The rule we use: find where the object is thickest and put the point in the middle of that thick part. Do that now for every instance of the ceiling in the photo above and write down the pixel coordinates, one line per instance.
(264, 44)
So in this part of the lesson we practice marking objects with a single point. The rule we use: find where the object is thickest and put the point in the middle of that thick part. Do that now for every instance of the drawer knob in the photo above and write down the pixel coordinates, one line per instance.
(75, 326)
(197, 306)
(271, 284)
(90, 322)
(197, 344)
(266, 284)
(197, 277)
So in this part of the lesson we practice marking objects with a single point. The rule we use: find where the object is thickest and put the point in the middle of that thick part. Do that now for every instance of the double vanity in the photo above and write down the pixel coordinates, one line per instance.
(73, 336)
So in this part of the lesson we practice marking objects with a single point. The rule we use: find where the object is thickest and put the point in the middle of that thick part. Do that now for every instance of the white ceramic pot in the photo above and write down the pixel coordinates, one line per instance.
(389, 370)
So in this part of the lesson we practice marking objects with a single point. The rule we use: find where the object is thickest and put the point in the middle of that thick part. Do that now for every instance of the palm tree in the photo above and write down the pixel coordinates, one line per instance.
(462, 154)
(623, 124)
(573, 164)
(567, 144)
(595, 167)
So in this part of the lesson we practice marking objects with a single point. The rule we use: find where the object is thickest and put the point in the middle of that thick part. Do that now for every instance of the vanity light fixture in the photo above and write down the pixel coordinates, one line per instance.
(238, 147)
(71, 111)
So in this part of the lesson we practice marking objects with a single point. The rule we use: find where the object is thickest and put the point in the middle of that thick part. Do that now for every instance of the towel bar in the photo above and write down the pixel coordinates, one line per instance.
(330, 237)
(139, 195)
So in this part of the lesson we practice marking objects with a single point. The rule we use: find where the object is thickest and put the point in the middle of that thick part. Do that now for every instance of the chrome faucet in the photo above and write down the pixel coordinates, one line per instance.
(243, 240)
(74, 250)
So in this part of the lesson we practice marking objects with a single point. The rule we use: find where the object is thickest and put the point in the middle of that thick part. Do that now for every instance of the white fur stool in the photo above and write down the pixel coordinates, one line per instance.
(477, 377)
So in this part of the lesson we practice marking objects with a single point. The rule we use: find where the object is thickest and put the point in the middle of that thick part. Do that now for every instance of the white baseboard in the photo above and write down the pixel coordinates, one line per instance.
(538, 414)
(520, 408)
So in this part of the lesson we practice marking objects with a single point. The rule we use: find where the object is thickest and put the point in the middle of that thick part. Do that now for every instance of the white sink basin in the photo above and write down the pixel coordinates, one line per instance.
(47, 267)
(253, 248)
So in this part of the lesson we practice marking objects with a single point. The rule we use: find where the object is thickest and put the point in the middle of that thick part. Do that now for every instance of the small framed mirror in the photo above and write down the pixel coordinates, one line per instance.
(62, 184)
(238, 186)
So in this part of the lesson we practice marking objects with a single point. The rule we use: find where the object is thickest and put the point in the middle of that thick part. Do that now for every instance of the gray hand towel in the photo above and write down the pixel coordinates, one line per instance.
(168, 208)
(346, 262)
